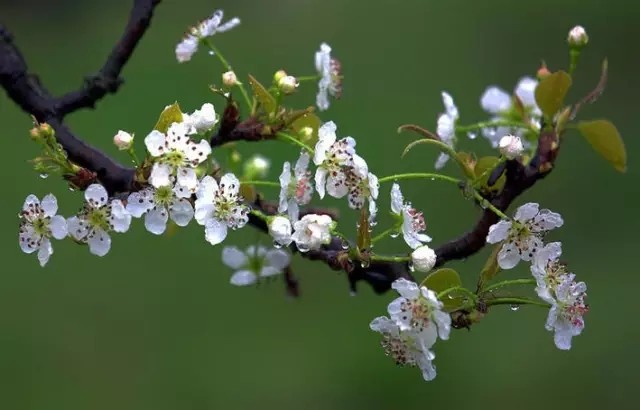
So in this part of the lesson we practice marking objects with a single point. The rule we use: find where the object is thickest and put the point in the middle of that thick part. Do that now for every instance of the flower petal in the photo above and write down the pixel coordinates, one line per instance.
(278, 258)
(181, 212)
(397, 200)
(99, 243)
(160, 175)
(508, 256)
(526, 212)
(140, 202)
(499, 232)
(234, 257)
(49, 205)
(45, 251)
(96, 195)
(243, 278)
(58, 227)
(495, 100)
(215, 231)
(187, 178)
(321, 181)
(156, 220)
(120, 218)
(77, 228)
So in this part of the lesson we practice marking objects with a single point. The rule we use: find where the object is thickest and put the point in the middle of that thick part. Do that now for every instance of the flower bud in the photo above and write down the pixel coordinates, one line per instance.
(423, 259)
(229, 79)
(123, 140)
(543, 72)
(279, 75)
(280, 230)
(578, 37)
(511, 146)
(288, 84)
(256, 167)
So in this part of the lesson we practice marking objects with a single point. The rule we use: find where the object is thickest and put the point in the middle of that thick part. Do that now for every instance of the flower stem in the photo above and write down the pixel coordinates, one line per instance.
(491, 124)
(420, 175)
(445, 148)
(509, 283)
(289, 138)
(383, 258)
(486, 204)
(227, 67)
(308, 78)
(516, 301)
(260, 215)
(384, 234)
(262, 183)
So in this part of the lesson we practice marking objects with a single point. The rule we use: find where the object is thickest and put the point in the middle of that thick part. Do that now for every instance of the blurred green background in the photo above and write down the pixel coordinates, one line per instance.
(155, 324)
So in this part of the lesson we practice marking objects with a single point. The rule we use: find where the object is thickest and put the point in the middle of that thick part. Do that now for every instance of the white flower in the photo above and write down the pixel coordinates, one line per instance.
(412, 220)
(201, 120)
(565, 315)
(446, 128)
(523, 236)
(333, 157)
(418, 309)
(175, 155)
(123, 140)
(98, 217)
(330, 77)
(187, 48)
(280, 230)
(312, 231)
(159, 204)
(548, 271)
(511, 146)
(39, 223)
(229, 79)
(500, 104)
(361, 189)
(404, 347)
(295, 189)
(577, 37)
(208, 27)
(219, 207)
(288, 84)
(254, 264)
(423, 258)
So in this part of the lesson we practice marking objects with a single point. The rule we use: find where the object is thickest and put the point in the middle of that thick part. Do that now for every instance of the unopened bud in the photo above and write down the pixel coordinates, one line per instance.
(41, 132)
(123, 140)
(256, 167)
(578, 37)
(423, 259)
(543, 71)
(279, 75)
(288, 84)
(229, 79)
(280, 230)
(511, 146)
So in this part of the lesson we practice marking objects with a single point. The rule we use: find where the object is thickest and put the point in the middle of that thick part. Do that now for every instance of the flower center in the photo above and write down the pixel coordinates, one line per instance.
(417, 220)
(41, 226)
(420, 313)
(174, 158)
(99, 218)
(163, 195)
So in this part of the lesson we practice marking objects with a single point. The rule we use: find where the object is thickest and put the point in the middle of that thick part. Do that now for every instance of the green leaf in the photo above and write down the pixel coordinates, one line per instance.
(444, 279)
(606, 140)
(168, 116)
(491, 267)
(483, 169)
(551, 91)
(264, 98)
(307, 120)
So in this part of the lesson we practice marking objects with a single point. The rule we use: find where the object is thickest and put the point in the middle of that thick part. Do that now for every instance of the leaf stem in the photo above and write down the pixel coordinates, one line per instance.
(509, 283)
(420, 175)
(384, 234)
(262, 183)
(383, 258)
(516, 301)
(286, 137)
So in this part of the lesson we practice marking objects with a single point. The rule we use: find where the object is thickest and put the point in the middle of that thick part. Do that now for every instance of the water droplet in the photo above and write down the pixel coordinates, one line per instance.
(472, 135)
(277, 245)
(450, 296)
(211, 52)
(344, 245)
(72, 189)
(514, 307)
(365, 264)
(373, 223)
(411, 267)
(44, 176)
(352, 293)
(394, 234)
(303, 247)
(432, 178)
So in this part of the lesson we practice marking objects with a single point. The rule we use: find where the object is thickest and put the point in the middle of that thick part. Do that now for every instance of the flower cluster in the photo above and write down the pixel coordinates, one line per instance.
(206, 28)
(415, 322)
(522, 239)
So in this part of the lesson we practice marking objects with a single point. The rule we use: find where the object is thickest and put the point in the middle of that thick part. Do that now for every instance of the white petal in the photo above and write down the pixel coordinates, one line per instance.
(58, 227)
(397, 200)
(278, 258)
(383, 324)
(139, 202)
(228, 25)
(49, 205)
(230, 186)
(77, 228)
(450, 107)
(207, 188)
(526, 212)
(498, 232)
(285, 178)
(181, 212)
(374, 185)
(99, 243)
(155, 143)
(160, 175)
(443, 321)
(120, 218)
(495, 100)
(45, 251)
(204, 211)
(187, 178)
(525, 90)
(27, 238)
(96, 195)
(156, 220)
(293, 210)
(337, 185)
(548, 220)
(406, 288)
(215, 231)
(268, 271)
(302, 164)
(186, 48)
(321, 181)
(508, 257)
(243, 278)
(30, 201)
(441, 161)
(360, 166)
(427, 368)
(199, 152)
(234, 257)
(326, 138)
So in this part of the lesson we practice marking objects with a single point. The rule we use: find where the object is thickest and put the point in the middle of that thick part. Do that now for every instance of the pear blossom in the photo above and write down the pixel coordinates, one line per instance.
(405, 348)
(334, 158)
(206, 28)
(511, 146)
(280, 230)
(523, 236)
(159, 204)
(219, 207)
(446, 128)
(312, 231)
(254, 264)
(412, 220)
(577, 37)
(329, 70)
(39, 223)
(288, 84)
(201, 120)
(361, 189)
(98, 217)
(175, 155)
(123, 140)
(548, 271)
(229, 79)
(295, 189)
(500, 104)
(423, 258)
(567, 311)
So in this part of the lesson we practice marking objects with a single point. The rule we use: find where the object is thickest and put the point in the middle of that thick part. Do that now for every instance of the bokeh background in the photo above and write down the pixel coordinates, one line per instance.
(156, 325)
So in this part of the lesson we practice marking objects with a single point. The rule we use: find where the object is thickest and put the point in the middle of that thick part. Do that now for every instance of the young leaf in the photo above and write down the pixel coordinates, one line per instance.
(605, 139)
(168, 116)
(491, 267)
(266, 100)
(444, 279)
(551, 91)
(307, 120)
(482, 171)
